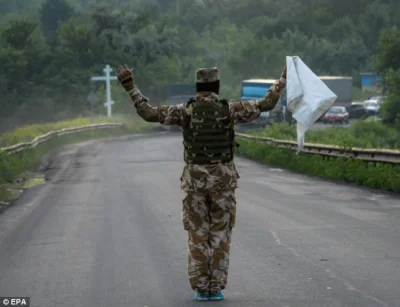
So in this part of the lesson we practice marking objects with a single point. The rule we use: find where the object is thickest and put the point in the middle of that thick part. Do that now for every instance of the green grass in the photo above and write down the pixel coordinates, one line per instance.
(29, 132)
(14, 166)
(362, 134)
(379, 176)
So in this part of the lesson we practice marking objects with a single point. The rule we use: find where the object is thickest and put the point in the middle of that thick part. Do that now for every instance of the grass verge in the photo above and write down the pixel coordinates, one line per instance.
(362, 134)
(379, 176)
(29, 132)
(15, 167)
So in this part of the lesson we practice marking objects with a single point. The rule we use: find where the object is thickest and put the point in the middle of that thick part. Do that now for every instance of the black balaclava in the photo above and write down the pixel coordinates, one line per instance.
(208, 87)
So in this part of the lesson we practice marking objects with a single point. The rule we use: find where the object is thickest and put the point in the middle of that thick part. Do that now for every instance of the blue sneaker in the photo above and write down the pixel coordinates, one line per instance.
(201, 297)
(216, 297)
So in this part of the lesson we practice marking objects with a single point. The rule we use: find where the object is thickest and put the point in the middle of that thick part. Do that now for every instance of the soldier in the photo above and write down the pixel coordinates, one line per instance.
(209, 177)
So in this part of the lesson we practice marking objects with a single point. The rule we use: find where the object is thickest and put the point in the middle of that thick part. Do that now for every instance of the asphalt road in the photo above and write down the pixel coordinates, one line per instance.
(106, 230)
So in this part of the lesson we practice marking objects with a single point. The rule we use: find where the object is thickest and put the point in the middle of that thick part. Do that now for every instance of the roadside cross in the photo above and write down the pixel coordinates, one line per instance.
(107, 78)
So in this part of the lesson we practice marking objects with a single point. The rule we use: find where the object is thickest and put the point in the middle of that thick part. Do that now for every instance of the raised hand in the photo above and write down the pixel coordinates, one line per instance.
(125, 77)
(284, 72)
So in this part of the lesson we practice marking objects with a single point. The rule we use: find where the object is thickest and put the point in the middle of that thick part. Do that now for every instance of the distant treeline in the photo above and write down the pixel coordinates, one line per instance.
(49, 49)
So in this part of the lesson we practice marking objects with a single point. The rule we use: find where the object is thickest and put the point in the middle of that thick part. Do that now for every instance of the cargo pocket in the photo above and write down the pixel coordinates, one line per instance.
(232, 221)
(185, 214)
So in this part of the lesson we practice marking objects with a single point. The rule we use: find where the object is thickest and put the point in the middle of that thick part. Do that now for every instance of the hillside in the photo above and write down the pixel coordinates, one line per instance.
(50, 49)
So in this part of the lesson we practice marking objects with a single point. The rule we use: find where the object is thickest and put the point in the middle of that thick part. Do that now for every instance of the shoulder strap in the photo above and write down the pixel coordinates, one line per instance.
(190, 101)
(187, 117)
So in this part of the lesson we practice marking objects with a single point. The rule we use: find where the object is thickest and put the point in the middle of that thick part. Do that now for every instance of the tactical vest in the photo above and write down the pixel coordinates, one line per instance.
(208, 136)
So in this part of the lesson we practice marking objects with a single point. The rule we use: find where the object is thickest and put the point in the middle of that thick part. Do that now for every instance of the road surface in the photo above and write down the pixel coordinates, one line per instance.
(106, 230)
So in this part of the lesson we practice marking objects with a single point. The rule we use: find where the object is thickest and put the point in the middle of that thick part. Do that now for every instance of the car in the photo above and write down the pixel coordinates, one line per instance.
(336, 115)
(378, 99)
(372, 107)
(259, 123)
(357, 111)
(174, 100)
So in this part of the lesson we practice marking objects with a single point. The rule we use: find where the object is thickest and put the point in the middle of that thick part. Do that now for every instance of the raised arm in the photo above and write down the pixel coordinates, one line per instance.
(166, 115)
(249, 110)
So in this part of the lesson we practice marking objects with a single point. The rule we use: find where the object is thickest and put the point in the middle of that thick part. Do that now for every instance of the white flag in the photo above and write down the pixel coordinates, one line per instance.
(308, 97)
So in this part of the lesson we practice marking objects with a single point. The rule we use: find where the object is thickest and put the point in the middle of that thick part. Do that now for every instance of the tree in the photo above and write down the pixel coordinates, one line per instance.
(52, 13)
(388, 50)
(391, 106)
(165, 41)
(387, 62)
(19, 33)
(18, 56)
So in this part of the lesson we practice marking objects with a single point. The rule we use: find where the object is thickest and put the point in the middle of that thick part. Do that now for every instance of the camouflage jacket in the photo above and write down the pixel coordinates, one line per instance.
(208, 178)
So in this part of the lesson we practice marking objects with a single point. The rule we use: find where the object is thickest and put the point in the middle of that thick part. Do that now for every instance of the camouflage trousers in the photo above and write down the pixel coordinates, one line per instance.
(209, 219)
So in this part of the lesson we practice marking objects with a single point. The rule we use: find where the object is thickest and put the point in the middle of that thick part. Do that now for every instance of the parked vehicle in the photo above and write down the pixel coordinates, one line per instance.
(178, 99)
(342, 87)
(336, 115)
(378, 99)
(177, 94)
(253, 89)
(372, 107)
(180, 93)
(357, 111)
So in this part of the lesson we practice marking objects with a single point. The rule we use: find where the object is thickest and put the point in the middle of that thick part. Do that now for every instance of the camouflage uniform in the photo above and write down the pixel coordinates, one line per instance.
(209, 208)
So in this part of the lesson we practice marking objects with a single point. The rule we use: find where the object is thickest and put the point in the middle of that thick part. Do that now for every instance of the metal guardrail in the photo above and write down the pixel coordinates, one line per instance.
(368, 155)
(53, 134)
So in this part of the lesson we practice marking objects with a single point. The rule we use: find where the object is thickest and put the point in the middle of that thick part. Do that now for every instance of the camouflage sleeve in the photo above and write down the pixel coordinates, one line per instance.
(171, 115)
(165, 115)
(249, 110)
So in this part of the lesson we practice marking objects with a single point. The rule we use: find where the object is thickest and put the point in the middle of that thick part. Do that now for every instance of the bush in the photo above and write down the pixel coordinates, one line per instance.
(380, 175)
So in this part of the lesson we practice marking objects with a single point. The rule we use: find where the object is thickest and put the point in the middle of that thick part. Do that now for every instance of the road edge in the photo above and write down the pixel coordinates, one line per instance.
(48, 158)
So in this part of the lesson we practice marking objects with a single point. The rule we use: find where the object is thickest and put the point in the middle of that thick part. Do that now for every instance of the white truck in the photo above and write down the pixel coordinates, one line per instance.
(343, 89)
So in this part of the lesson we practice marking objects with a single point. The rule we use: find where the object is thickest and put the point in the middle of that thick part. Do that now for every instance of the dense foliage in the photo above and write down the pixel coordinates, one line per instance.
(49, 49)
(387, 62)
